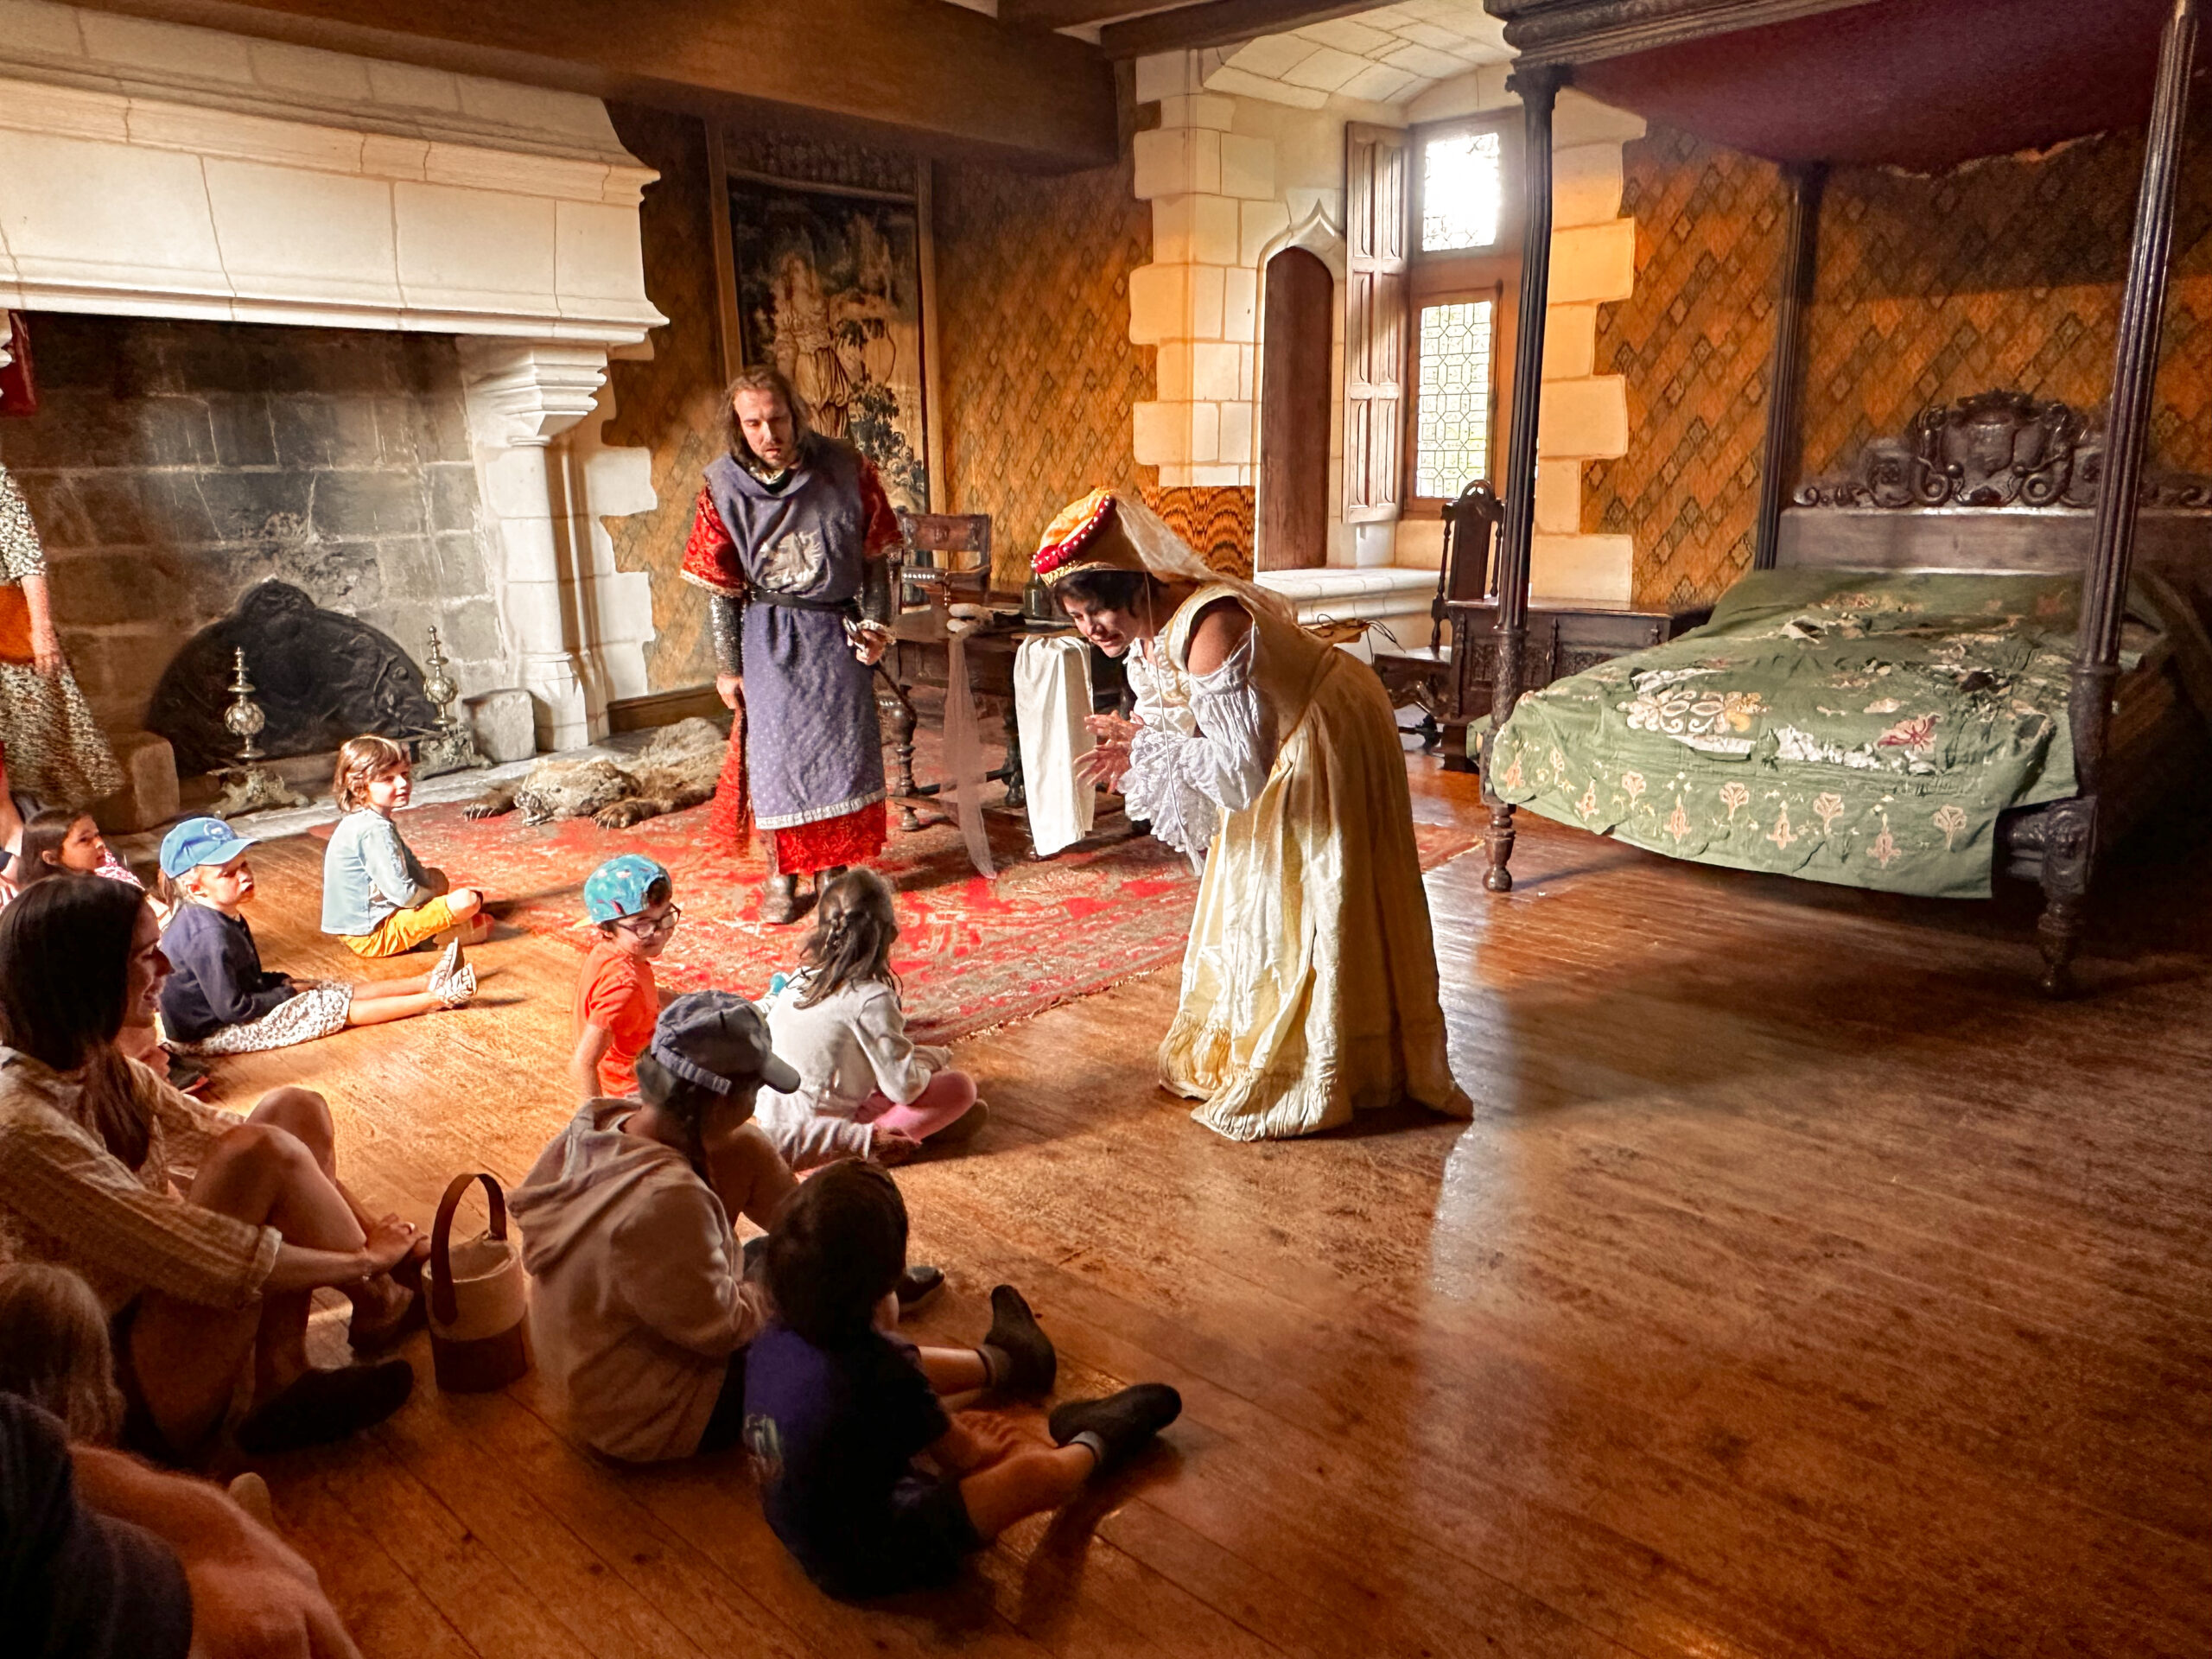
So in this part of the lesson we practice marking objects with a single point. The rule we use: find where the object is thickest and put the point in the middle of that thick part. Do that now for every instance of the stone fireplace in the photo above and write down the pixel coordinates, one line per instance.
(344, 324)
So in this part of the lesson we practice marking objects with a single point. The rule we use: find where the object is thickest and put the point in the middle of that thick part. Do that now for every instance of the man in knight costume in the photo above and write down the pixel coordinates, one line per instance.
(790, 540)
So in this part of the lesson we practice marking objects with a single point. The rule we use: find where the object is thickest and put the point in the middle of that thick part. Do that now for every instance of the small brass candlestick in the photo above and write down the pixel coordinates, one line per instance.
(450, 747)
(249, 787)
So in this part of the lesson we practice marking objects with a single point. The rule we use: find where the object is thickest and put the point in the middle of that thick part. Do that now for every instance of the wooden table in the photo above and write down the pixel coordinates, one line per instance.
(920, 655)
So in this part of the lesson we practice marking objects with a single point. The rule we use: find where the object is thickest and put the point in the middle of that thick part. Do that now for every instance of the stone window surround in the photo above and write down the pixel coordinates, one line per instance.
(157, 169)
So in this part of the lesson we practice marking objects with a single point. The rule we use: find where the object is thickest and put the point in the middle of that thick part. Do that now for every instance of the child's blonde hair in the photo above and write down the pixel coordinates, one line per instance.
(55, 1351)
(361, 761)
(855, 927)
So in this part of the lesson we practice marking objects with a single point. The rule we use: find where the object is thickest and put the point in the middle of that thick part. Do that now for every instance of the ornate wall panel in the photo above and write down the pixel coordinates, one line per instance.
(1217, 520)
(1037, 372)
(2001, 275)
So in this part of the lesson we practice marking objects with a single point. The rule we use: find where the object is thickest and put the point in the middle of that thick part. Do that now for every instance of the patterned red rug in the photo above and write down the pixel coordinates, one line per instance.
(973, 953)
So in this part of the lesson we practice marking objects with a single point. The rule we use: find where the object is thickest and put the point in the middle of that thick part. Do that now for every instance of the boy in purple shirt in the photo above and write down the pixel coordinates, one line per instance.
(836, 1410)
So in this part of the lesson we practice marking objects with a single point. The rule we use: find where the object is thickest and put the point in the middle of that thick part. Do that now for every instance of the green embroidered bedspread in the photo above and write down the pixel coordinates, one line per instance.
(1854, 727)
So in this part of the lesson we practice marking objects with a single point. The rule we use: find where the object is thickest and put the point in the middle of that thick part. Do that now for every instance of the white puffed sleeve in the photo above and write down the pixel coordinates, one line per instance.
(1183, 781)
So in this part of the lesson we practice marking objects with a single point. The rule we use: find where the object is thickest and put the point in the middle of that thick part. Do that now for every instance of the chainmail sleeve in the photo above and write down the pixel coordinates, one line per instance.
(726, 616)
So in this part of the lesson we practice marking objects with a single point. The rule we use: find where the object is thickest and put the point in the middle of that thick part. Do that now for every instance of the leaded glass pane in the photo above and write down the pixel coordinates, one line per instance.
(1451, 428)
(1463, 188)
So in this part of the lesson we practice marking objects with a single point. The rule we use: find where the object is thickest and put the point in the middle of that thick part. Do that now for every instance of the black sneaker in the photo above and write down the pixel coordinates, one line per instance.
(326, 1406)
(917, 1285)
(1016, 1333)
(1126, 1422)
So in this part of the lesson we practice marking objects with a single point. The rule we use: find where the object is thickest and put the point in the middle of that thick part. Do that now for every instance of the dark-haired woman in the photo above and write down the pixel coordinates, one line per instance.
(1309, 983)
(203, 1234)
(789, 540)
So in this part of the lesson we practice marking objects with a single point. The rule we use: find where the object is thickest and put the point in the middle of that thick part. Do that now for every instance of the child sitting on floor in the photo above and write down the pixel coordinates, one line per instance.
(219, 1001)
(55, 1349)
(57, 842)
(836, 1410)
(865, 1090)
(633, 900)
(376, 895)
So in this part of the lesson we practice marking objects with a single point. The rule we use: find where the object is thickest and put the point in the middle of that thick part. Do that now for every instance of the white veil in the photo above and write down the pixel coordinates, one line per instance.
(1169, 557)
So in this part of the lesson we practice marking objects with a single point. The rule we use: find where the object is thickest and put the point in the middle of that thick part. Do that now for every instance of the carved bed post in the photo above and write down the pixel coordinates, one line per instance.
(2070, 855)
(1539, 88)
(1786, 384)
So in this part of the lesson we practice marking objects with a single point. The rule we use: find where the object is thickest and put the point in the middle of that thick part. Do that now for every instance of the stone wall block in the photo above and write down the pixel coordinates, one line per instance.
(315, 431)
(148, 797)
(505, 723)
(243, 432)
(175, 432)
(1262, 223)
(114, 508)
(1559, 497)
(1247, 167)
(1584, 419)
(1240, 295)
(1214, 372)
(98, 589)
(369, 504)
(1207, 289)
(453, 497)
(1585, 185)
(252, 507)
(1570, 341)
(1596, 262)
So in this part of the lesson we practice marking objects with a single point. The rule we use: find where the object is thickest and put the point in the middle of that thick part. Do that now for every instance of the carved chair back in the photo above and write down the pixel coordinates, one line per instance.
(1470, 529)
(944, 551)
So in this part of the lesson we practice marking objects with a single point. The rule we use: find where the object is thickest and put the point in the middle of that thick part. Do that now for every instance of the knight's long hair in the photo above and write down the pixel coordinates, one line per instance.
(855, 927)
(768, 379)
(65, 966)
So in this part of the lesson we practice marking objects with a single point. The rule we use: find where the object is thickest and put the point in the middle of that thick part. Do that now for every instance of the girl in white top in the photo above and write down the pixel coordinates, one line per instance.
(865, 1090)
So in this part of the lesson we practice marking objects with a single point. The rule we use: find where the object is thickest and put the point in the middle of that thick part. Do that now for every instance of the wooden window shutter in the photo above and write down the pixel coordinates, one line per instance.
(1378, 168)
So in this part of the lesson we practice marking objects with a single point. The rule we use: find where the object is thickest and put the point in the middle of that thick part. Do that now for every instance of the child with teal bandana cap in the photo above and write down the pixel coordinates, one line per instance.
(632, 901)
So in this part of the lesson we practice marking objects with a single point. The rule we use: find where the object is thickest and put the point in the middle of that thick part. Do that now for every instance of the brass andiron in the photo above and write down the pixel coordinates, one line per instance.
(450, 747)
(249, 787)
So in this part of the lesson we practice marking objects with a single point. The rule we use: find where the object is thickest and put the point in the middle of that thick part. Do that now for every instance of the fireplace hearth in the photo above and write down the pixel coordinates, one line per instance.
(320, 678)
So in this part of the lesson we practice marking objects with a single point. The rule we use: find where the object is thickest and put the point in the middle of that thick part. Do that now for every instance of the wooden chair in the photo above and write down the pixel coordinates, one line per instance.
(946, 555)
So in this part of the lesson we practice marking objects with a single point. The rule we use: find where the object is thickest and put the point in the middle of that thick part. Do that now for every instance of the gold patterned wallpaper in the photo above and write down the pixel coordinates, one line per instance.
(2004, 274)
(1035, 366)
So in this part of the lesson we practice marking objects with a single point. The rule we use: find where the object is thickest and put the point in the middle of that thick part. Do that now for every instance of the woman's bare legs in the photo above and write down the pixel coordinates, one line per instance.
(750, 1176)
(1025, 1482)
(276, 1169)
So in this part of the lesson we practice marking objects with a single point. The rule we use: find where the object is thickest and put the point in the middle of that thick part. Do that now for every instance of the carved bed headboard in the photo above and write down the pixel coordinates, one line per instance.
(2001, 482)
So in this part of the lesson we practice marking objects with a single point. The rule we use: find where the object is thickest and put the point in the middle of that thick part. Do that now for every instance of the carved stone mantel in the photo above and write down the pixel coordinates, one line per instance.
(531, 390)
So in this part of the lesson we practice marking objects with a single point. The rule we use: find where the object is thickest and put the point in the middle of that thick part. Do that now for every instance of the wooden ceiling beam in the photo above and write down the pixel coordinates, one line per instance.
(1064, 14)
(1217, 23)
(942, 78)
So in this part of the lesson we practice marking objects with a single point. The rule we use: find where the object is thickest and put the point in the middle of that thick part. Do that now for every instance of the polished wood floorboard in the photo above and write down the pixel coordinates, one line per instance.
(1804, 1285)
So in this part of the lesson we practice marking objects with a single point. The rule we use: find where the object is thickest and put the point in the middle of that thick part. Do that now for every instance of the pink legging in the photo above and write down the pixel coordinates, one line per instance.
(948, 1096)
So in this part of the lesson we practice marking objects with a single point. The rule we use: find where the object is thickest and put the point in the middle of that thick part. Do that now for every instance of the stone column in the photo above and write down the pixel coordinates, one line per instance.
(523, 394)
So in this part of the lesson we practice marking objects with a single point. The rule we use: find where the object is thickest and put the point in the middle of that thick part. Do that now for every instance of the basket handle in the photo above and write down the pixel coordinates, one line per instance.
(441, 1297)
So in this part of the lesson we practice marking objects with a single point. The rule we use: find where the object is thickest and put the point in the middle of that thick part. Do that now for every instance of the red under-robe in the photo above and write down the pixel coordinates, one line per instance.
(711, 560)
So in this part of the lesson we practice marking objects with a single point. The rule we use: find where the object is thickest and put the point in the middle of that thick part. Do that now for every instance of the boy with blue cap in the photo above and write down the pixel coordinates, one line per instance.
(219, 1000)
(633, 901)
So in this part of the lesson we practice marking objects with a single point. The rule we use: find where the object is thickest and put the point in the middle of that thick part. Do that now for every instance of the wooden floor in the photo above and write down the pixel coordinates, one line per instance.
(1804, 1285)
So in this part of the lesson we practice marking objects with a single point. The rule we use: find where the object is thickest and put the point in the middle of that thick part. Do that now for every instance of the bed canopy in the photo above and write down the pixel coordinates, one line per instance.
(1924, 84)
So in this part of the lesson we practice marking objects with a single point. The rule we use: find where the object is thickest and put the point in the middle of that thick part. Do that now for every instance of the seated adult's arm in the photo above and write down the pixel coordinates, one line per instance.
(252, 1596)
(74, 1580)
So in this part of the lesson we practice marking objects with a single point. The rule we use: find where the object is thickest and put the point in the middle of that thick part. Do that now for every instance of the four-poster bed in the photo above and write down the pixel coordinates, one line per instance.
(1921, 85)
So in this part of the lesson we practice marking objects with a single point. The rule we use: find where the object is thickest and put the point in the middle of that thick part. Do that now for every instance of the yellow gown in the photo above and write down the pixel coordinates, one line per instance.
(1310, 985)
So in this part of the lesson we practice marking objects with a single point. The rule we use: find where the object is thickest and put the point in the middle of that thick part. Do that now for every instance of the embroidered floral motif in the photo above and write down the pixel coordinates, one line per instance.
(1884, 706)
(1828, 807)
(1917, 732)
(1732, 796)
(1886, 846)
(1781, 835)
(1634, 784)
(1513, 772)
(1950, 820)
(1588, 803)
(1678, 822)
(1698, 718)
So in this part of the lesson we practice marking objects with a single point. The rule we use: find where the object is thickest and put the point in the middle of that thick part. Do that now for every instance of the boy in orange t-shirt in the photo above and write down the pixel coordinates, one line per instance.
(632, 900)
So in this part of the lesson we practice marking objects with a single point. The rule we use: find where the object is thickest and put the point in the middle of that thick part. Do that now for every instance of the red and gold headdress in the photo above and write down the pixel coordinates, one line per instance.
(1089, 535)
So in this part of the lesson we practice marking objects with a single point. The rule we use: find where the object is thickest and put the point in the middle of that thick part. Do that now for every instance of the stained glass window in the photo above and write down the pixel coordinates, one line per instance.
(1462, 191)
(1452, 439)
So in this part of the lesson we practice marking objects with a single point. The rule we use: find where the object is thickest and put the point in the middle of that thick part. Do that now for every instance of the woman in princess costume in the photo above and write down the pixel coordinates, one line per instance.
(789, 542)
(1310, 983)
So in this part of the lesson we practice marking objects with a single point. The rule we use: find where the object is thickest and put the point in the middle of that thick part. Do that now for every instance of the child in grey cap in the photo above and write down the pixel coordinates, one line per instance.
(641, 1308)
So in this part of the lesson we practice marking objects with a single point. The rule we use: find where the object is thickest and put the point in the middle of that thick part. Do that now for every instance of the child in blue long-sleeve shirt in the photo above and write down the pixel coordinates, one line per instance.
(376, 895)
(219, 1000)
